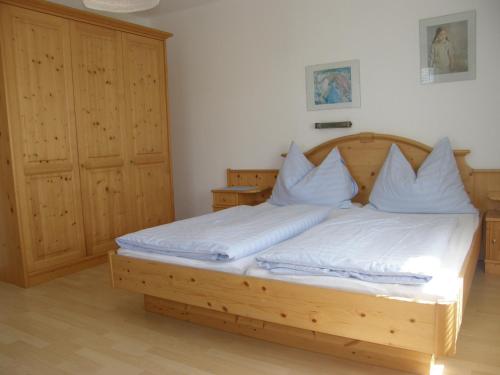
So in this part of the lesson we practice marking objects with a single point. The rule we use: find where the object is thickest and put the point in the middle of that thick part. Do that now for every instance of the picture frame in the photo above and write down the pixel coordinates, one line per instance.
(332, 86)
(448, 48)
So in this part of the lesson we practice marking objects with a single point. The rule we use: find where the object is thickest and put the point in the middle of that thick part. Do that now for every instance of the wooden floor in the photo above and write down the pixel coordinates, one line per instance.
(79, 325)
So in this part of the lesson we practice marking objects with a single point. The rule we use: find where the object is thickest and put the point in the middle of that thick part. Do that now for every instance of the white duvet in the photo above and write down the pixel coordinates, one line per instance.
(228, 234)
(368, 245)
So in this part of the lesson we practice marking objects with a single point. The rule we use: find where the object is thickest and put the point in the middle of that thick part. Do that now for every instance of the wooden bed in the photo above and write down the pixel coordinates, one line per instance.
(379, 330)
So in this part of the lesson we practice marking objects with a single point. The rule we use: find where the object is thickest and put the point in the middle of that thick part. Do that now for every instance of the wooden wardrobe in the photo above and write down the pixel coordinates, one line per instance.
(84, 137)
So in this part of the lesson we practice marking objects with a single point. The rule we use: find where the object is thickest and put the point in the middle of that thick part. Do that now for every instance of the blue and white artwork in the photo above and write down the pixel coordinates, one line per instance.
(334, 85)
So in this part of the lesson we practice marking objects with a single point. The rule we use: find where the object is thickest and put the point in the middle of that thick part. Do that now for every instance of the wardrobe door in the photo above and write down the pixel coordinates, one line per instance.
(145, 92)
(100, 119)
(40, 100)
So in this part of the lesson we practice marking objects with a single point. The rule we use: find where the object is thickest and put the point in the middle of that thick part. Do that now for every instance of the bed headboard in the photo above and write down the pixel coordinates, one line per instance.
(364, 154)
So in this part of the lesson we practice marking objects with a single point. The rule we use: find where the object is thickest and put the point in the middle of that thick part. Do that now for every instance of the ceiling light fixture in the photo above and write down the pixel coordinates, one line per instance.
(121, 6)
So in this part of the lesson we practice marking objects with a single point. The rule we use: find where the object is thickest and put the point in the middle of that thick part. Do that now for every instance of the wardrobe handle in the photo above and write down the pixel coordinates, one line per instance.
(494, 241)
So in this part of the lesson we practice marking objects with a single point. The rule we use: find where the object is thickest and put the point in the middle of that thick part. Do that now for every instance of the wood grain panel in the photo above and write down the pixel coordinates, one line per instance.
(145, 93)
(262, 178)
(64, 71)
(146, 96)
(56, 235)
(98, 79)
(152, 189)
(100, 116)
(106, 214)
(43, 77)
(43, 136)
(11, 257)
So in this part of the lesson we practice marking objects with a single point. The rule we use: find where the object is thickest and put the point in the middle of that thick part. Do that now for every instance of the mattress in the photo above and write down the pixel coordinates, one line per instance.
(444, 287)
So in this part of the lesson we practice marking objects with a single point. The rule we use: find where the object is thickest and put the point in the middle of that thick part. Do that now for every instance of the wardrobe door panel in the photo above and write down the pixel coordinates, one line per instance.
(152, 189)
(106, 215)
(53, 208)
(40, 84)
(100, 117)
(145, 91)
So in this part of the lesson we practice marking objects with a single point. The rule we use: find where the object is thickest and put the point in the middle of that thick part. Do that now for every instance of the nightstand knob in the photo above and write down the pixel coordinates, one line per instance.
(494, 241)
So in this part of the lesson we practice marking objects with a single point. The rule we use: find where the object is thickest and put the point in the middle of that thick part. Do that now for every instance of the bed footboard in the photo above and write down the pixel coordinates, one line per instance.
(377, 319)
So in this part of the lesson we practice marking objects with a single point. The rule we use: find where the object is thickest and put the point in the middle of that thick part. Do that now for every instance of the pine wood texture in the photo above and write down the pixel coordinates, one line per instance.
(362, 317)
(262, 178)
(148, 131)
(340, 347)
(492, 241)
(101, 117)
(86, 136)
(11, 257)
(42, 125)
(225, 198)
(78, 324)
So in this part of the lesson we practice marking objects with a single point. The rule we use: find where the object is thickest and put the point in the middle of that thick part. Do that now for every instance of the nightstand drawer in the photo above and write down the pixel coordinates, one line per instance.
(225, 199)
(493, 240)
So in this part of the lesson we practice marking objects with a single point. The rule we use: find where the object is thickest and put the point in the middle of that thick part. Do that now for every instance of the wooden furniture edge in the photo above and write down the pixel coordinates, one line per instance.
(340, 347)
(250, 191)
(88, 17)
(366, 137)
(13, 267)
(449, 316)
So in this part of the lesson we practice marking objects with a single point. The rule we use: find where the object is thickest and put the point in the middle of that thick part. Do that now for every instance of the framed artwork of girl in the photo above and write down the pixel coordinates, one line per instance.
(447, 48)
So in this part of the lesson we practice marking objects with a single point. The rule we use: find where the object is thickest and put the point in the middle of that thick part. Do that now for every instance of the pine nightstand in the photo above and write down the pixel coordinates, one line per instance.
(492, 259)
(239, 195)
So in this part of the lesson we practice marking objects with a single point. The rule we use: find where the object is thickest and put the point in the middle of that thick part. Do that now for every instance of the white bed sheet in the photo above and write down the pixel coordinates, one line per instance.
(226, 235)
(238, 266)
(444, 287)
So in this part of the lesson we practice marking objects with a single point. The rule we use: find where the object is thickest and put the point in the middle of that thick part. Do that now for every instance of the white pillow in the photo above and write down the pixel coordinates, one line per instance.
(300, 182)
(436, 188)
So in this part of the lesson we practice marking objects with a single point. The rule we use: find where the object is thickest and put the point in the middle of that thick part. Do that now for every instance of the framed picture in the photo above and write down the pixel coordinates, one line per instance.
(334, 85)
(448, 48)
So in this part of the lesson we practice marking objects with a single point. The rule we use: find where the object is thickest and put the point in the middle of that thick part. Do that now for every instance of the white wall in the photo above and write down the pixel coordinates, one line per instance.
(237, 88)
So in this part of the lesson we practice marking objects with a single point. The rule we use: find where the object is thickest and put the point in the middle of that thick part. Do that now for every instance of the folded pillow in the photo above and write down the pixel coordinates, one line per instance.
(300, 182)
(436, 188)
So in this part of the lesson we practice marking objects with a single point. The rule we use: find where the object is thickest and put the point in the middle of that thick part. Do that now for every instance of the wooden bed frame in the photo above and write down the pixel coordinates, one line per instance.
(379, 330)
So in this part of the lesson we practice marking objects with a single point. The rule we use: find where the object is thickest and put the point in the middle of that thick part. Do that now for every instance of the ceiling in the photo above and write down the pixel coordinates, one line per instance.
(176, 5)
(165, 6)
